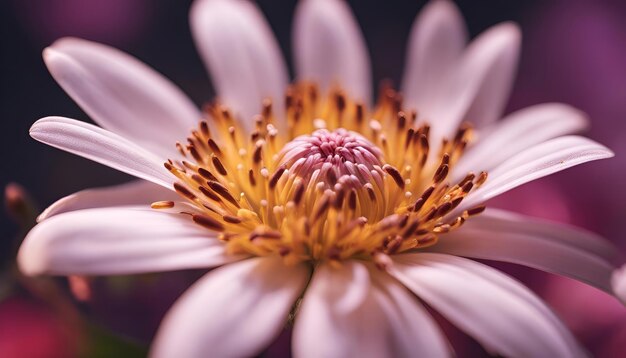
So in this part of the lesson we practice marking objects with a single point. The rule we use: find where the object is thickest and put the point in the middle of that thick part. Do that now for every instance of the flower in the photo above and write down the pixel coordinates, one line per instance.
(618, 280)
(318, 205)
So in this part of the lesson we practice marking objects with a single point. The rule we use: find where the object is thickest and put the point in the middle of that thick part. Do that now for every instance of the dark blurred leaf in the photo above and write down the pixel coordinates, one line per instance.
(104, 344)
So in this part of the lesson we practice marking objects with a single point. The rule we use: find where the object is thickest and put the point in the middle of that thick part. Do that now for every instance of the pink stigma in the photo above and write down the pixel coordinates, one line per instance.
(340, 156)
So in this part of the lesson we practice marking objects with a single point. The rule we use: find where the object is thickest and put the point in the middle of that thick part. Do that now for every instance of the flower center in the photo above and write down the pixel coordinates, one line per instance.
(331, 186)
(340, 156)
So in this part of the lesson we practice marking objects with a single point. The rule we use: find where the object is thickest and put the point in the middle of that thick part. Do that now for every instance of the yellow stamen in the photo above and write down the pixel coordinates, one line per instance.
(340, 182)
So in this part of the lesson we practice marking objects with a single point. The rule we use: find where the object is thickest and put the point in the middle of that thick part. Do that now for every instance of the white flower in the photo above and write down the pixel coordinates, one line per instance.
(354, 208)
(618, 282)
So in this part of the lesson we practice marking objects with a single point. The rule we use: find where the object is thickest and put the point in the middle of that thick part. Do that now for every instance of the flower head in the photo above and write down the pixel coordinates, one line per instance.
(335, 186)
(319, 204)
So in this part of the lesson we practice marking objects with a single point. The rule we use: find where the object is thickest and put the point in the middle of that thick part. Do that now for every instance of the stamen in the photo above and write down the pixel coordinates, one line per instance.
(162, 205)
(208, 222)
(342, 181)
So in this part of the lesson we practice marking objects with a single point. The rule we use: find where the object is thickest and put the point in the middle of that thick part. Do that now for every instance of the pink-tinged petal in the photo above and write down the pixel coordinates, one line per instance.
(241, 55)
(499, 312)
(101, 146)
(436, 42)
(495, 54)
(233, 311)
(381, 319)
(479, 88)
(413, 331)
(122, 94)
(561, 249)
(138, 192)
(123, 240)
(323, 318)
(534, 163)
(330, 49)
(518, 131)
(618, 283)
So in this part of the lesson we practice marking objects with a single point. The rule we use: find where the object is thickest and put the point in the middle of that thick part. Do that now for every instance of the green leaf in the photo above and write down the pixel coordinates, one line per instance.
(104, 344)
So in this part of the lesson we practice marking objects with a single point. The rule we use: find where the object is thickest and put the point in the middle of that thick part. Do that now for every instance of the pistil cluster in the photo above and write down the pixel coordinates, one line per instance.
(333, 182)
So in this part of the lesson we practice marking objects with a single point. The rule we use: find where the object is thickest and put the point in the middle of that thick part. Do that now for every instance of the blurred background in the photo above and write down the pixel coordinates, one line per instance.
(574, 51)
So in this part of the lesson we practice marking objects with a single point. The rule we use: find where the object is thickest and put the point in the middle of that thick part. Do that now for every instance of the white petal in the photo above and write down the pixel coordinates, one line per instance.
(138, 192)
(382, 320)
(233, 311)
(503, 236)
(122, 94)
(479, 88)
(101, 146)
(413, 332)
(330, 49)
(322, 317)
(123, 240)
(495, 54)
(437, 40)
(618, 282)
(536, 162)
(518, 131)
(499, 312)
(241, 55)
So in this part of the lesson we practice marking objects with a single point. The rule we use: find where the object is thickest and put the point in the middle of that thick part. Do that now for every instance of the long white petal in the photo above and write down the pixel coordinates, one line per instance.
(504, 236)
(330, 49)
(436, 42)
(518, 131)
(414, 333)
(122, 94)
(233, 311)
(499, 312)
(101, 146)
(138, 192)
(618, 283)
(499, 49)
(323, 316)
(536, 162)
(477, 91)
(355, 317)
(241, 55)
(119, 240)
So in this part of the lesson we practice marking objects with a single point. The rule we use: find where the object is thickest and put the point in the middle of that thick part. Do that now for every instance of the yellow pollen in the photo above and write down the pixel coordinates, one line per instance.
(341, 181)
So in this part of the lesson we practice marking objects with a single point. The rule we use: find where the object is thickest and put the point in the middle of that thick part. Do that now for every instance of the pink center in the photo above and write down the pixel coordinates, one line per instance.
(340, 156)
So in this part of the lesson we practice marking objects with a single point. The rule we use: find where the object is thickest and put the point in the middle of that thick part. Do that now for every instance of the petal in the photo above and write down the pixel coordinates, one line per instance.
(518, 131)
(122, 94)
(233, 311)
(138, 192)
(330, 49)
(241, 54)
(412, 330)
(436, 42)
(478, 89)
(101, 146)
(323, 316)
(499, 312)
(122, 240)
(494, 55)
(382, 319)
(564, 250)
(618, 283)
(534, 163)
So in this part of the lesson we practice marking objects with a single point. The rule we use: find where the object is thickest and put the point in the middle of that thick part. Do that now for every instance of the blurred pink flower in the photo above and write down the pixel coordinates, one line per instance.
(575, 52)
(595, 317)
(362, 226)
(618, 281)
(584, 40)
(28, 330)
